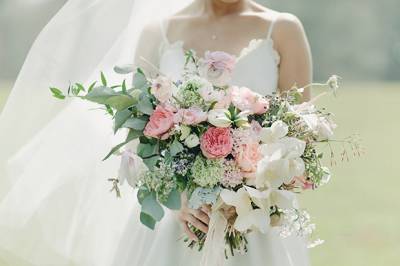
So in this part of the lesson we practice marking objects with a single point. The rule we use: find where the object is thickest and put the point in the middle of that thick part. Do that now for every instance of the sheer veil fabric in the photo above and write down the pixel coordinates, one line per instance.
(55, 208)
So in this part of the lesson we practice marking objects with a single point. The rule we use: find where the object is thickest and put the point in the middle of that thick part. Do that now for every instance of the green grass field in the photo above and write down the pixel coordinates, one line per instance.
(357, 213)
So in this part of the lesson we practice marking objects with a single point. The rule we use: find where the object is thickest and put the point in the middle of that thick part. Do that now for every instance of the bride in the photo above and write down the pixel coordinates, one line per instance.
(54, 205)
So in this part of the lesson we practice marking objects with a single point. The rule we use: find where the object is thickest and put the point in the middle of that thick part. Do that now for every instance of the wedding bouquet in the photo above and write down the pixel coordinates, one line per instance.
(244, 154)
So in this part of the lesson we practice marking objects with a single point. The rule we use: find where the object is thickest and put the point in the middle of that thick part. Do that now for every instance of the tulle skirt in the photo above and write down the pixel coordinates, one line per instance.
(56, 208)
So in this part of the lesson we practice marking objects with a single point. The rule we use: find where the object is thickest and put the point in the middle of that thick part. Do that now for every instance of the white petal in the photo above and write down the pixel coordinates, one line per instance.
(279, 129)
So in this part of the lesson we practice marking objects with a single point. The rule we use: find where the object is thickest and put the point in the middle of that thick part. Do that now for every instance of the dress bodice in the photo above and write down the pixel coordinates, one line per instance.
(257, 64)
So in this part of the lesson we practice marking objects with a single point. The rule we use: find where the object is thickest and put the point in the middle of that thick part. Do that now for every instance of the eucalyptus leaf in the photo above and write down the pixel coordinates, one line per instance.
(124, 69)
(176, 147)
(142, 193)
(147, 220)
(152, 207)
(133, 134)
(120, 118)
(140, 81)
(145, 106)
(136, 123)
(147, 150)
(100, 94)
(121, 101)
(174, 200)
(151, 162)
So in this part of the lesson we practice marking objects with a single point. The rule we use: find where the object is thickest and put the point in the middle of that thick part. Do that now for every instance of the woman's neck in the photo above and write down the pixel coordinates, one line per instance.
(220, 8)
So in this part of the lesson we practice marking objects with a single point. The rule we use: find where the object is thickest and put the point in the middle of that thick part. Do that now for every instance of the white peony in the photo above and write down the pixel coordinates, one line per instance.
(131, 167)
(248, 218)
(280, 163)
(278, 130)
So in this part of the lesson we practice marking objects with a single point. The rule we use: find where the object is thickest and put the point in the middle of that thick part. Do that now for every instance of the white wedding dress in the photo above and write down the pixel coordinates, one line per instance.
(256, 68)
(57, 211)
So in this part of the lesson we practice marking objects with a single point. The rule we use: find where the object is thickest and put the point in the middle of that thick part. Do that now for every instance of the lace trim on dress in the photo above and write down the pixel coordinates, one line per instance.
(253, 45)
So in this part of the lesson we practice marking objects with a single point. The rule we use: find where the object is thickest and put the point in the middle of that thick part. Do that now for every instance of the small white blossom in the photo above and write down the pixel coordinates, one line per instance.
(192, 141)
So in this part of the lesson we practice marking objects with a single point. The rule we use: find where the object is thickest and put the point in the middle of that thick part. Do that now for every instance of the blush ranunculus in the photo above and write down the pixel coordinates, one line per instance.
(163, 89)
(247, 100)
(190, 116)
(216, 142)
(161, 120)
(217, 67)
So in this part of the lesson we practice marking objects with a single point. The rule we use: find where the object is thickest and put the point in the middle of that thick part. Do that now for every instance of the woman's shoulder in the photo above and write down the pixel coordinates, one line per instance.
(284, 20)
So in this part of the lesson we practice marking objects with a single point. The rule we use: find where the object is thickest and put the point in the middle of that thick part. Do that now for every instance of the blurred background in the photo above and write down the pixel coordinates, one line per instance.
(358, 212)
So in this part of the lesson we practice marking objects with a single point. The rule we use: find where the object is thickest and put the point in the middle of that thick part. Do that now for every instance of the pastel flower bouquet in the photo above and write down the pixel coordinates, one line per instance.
(244, 154)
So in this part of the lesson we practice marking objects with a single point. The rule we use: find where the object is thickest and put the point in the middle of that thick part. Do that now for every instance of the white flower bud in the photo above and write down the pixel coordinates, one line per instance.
(192, 141)
(219, 118)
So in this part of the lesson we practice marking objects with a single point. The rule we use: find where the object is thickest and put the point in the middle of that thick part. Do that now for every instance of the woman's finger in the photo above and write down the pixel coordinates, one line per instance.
(197, 223)
(206, 208)
(202, 216)
(189, 232)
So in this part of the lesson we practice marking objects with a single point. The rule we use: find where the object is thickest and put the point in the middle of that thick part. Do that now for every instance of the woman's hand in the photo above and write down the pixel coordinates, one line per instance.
(197, 218)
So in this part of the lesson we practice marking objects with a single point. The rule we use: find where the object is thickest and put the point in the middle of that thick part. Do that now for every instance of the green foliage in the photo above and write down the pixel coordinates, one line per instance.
(151, 162)
(140, 81)
(136, 123)
(133, 134)
(145, 150)
(173, 201)
(145, 106)
(120, 118)
(147, 220)
(57, 93)
(152, 207)
(176, 147)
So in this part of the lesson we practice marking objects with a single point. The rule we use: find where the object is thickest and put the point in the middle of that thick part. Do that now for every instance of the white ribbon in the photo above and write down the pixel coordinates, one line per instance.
(214, 246)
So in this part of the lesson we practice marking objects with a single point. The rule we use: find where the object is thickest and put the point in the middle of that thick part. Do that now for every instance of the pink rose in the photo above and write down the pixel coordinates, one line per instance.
(159, 123)
(247, 100)
(190, 116)
(162, 88)
(247, 156)
(216, 142)
(217, 67)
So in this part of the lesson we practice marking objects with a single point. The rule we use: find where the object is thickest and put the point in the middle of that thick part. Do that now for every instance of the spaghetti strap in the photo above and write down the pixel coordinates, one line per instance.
(271, 27)
(164, 29)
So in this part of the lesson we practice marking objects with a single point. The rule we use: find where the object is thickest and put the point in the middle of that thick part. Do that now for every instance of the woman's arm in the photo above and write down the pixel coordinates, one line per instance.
(291, 42)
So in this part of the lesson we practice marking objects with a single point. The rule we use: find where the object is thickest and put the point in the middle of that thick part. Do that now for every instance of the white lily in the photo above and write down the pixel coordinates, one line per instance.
(281, 162)
(131, 167)
(278, 130)
(219, 117)
(248, 218)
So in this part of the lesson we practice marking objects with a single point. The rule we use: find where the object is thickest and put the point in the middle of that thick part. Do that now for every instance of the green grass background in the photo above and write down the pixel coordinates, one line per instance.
(358, 212)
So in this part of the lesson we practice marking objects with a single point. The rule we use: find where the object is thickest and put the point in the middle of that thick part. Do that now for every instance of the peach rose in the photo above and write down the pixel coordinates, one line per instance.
(247, 157)
(159, 123)
(247, 100)
(190, 116)
(216, 142)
